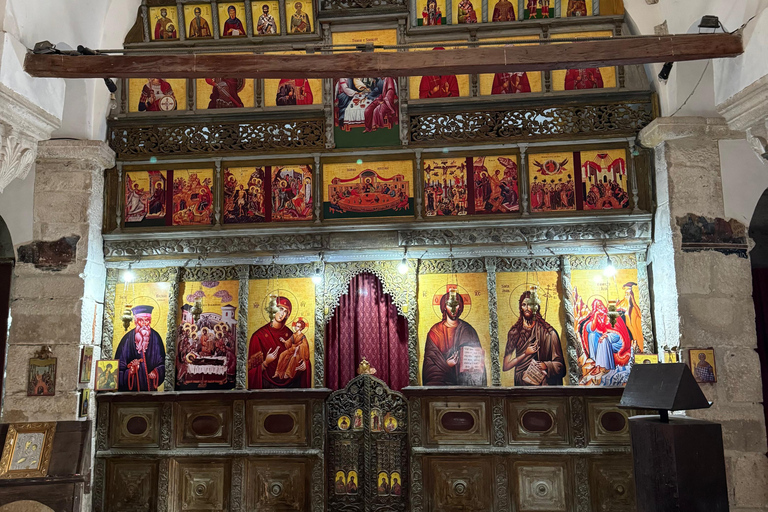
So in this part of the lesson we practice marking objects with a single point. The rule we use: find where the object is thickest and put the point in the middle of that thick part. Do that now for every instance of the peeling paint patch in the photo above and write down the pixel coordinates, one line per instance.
(55, 256)
(705, 234)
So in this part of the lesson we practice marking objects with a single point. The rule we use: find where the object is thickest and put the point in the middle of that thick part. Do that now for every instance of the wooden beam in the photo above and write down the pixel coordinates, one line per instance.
(567, 55)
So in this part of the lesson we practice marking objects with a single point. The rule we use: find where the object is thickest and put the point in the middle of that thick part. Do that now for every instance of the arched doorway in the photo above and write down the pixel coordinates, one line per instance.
(758, 232)
(366, 324)
(7, 261)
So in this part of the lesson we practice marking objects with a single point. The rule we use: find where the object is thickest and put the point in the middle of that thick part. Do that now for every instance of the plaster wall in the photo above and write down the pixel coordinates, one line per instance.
(744, 178)
(16, 203)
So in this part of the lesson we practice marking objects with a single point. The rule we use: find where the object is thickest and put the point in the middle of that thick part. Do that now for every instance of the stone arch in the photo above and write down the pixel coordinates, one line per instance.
(6, 244)
(25, 506)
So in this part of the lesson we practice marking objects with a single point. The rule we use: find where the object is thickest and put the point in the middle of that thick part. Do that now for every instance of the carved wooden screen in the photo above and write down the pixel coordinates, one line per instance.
(368, 448)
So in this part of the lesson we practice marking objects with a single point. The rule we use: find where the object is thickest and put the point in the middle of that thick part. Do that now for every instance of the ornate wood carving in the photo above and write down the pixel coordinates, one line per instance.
(107, 325)
(542, 486)
(493, 321)
(238, 425)
(132, 140)
(578, 421)
(538, 421)
(450, 266)
(453, 421)
(290, 419)
(586, 231)
(220, 244)
(342, 5)
(612, 484)
(277, 485)
(608, 425)
(649, 343)
(132, 485)
(456, 484)
(135, 426)
(170, 337)
(242, 328)
(203, 485)
(574, 349)
(238, 476)
(203, 424)
(375, 446)
(522, 122)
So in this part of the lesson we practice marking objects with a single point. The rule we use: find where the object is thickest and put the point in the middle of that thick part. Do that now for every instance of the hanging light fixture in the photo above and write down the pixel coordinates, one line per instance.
(127, 315)
(197, 307)
(271, 307)
(403, 266)
(609, 270)
(453, 300)
(317, 277)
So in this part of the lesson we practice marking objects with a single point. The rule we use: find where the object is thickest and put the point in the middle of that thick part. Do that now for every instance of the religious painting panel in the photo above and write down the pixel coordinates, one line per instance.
(106, 374)
(266, 17)
(206, 341)
(140, 328)
(157, 94)
(84, 403)
(163, 23)
(300, 17)
(552, 181)
(291, 191)
(702, 364)
(232, 19)
(495, 184)
(446, 184)
(575, 8)
(467, 12)
(366, 109)
(281, 326)
(218, 93)
(510, 83)
(244, 195)
(200, 20)
(292, 91)
(433, 12)
(604, 179)
(41, 377)
(583, 78)
(608, 324)
(538, 9)
(86, 365)
(503, 10)
(454, 336)
(192, 197)
(444, 86)
(531, 335)
(145, 202)
(368, 189)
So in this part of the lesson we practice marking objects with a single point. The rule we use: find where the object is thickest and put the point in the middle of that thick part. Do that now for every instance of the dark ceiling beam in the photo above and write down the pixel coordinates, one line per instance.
(542, 57)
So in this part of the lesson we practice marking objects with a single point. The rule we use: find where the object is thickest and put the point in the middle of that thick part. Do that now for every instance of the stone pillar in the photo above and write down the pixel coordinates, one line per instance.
(58, 284)
(703, 298)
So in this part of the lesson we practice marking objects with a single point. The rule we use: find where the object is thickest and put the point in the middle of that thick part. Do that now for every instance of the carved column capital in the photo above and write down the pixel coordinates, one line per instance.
(747, 111)
(22, 125)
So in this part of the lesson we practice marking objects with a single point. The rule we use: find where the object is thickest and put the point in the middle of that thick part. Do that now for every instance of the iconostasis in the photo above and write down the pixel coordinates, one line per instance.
(539, 321)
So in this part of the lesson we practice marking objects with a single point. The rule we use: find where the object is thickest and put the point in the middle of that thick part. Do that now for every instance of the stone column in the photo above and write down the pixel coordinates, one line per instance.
(703, 298)
(58, 284)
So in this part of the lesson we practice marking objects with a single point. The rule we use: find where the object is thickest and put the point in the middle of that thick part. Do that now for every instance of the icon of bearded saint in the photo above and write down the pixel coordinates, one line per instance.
(443, 349)
(141, 354)
(609, 347)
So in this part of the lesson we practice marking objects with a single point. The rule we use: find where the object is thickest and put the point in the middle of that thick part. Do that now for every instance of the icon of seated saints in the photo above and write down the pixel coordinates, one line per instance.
(296, 351)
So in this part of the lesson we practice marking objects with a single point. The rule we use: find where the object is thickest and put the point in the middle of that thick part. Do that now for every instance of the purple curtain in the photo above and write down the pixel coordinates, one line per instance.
(366, 325)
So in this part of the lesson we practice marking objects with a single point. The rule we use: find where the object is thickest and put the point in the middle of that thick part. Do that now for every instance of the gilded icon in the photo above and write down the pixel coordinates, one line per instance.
(352, 482)
(390, 422)
(646, 358)
(27, 450)
(343, 422)
(42, 374)
(340, 485)
(376, 420)
(106, 375)
(358, 424)
(86, 364)
(702, 363)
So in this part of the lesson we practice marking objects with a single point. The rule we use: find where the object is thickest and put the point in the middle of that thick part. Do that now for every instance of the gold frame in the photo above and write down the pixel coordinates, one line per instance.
(14, 429)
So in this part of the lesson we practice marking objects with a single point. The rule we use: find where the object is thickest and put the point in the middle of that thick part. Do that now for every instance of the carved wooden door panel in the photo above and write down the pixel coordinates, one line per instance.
(368, 448)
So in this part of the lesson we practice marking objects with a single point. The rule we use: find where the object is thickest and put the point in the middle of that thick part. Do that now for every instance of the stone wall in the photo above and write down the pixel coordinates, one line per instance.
(708, 294)
(59, 277)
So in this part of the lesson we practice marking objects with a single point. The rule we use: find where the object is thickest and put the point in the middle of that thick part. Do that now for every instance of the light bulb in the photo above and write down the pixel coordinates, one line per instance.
(128, 276)
(403, 266)
(112, 102)
(609, 270)
(317, 278)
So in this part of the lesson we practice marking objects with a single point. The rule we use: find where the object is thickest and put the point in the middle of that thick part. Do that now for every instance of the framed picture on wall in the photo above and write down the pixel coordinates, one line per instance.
(41, 380)
(85, 398)
(702, 362)
(27, 450)
(86, 365)
(106, 375)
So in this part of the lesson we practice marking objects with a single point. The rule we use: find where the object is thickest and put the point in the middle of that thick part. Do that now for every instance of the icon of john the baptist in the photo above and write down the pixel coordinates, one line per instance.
(265, 348)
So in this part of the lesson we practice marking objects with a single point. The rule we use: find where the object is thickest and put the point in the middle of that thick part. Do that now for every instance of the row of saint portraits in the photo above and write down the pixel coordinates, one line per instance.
(454, 185)
(364, 104)
(198, 20)
(453, 330)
